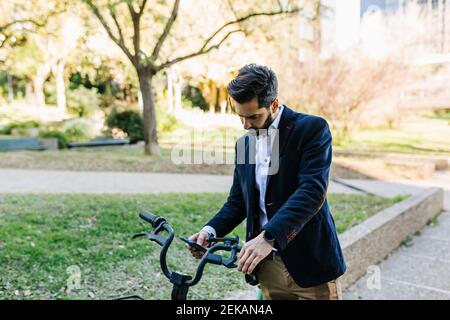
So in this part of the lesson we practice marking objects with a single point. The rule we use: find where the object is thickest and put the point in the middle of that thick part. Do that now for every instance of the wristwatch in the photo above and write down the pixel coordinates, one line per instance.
(269, 238)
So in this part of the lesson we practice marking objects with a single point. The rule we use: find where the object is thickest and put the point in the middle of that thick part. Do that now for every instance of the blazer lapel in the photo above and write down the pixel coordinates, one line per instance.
(250, 164)
(283, 133)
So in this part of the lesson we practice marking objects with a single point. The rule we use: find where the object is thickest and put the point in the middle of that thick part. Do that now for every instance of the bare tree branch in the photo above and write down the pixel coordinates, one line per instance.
(230, 5)
(135, 18)
(33, 21)
(39, 24)
(131, 8)
(142, 7)
(205, 49)
(280, 4)
(198, 53)
(5, 39)
(19, 21)
(102, 20)
(166, 31)
(4, 28)
(112, 12)
(246, 18)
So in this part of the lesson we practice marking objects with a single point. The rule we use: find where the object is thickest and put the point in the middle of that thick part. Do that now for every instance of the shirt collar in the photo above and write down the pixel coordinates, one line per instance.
(276, 122)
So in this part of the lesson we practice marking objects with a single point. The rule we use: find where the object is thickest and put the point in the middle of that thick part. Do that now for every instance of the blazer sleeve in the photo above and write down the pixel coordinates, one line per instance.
(232, 212)
(308, 198)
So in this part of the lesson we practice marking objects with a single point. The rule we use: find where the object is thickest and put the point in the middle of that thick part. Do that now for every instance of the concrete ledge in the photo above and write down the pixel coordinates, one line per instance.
(371, 241)
(412, 169)
(384, 168)
(440, 162)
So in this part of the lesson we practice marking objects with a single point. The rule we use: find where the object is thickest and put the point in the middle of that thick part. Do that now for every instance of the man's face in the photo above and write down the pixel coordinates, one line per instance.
(253, 117)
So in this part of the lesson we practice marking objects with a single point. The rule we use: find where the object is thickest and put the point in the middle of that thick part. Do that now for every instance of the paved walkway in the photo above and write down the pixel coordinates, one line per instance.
(420, 269)
(54, 181)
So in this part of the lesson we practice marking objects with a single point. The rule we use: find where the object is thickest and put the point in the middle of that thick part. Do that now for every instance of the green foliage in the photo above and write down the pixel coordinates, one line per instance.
(440, 114)
(24, 60)
(350, 210)
(82, 101)
(60, 136)
(79, 130)
(21, 127)
(131, 122)
(165, 122)
(50, 93)
(128, 121)
(432, 221)
(195, 96)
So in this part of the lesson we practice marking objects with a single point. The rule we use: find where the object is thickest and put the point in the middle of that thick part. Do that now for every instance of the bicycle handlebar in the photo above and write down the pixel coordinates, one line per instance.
(150, 218)
(159, 224)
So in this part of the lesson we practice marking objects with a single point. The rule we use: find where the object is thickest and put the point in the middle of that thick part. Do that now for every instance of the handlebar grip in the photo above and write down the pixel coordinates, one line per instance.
(149, 217)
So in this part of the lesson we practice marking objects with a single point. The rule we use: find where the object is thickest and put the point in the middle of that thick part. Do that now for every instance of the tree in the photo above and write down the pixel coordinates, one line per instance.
(20, 24)
(148, 64)
(19, 18)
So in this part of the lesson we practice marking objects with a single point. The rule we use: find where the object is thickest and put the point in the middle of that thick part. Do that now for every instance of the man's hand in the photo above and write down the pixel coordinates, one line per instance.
(252, 253)
(202, 239)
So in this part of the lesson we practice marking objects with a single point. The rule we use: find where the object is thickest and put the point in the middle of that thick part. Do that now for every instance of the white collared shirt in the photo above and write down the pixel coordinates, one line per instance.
(262, 159)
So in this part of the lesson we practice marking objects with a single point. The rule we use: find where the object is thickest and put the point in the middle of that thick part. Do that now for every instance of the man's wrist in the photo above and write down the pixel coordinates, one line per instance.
(210, 230)
(267, 236)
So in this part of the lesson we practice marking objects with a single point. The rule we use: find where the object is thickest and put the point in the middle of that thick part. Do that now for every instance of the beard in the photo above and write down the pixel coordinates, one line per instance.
(268, 122)
(265, 125)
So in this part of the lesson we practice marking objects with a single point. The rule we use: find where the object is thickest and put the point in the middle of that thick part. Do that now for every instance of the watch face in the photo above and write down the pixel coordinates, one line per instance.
(268, 237)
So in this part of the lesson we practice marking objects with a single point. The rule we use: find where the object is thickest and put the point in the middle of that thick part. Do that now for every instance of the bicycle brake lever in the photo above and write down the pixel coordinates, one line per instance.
(138, 235)
(229, 241)
(230, 261)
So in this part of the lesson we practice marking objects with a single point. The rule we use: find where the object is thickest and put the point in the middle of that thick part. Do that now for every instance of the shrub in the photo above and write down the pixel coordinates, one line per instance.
(60, 136)
(128, 121)
(82, 102)
(195, 96)
(20, 126)
(166, 122)
(132, 123)
(50, 93)
(79, 130)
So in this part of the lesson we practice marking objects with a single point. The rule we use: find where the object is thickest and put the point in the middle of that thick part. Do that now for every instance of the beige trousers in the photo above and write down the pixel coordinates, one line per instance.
(276, 283)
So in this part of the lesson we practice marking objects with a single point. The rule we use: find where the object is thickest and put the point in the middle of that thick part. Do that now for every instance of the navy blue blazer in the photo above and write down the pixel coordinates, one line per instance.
(299, 217)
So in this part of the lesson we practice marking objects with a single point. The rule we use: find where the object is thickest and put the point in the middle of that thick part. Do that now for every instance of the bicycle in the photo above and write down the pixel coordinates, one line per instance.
(182, 282)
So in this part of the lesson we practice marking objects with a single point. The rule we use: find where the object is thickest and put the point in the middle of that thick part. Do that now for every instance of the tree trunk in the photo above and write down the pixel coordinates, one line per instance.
(29, 92)
(177, 93)
(170, 107)
(60, 86)
(10, 88)
(39, 97)
(38, 83)
(149, 114)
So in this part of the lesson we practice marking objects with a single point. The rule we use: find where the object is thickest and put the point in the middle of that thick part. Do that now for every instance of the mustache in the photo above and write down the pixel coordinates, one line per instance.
(266, 124)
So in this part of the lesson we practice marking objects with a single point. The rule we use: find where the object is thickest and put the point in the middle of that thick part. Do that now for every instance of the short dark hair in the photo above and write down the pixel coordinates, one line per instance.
(254, 81)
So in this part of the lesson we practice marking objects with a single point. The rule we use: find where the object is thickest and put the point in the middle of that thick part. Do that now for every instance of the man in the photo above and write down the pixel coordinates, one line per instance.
(292, 245)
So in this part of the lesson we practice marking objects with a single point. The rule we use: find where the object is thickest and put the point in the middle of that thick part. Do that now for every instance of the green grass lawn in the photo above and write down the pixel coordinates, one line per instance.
(425, 134)
(41, 236)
